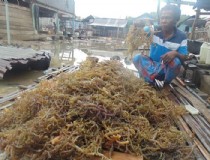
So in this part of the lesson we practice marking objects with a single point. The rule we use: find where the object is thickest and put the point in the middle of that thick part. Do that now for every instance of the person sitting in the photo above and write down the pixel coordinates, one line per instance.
(167, 51)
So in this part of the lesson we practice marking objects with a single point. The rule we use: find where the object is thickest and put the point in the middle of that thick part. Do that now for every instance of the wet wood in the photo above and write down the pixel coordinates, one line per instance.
(195, 139)
(6, 106)
(195, 127)
(16, 59)
(203, 124)
(52, 74)
(183, 126)
(11, 97)
(189, 138)
(195, 101)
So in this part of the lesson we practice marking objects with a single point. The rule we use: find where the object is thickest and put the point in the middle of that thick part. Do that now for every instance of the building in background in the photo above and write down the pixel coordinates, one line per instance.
(109, 27)
(29, 19)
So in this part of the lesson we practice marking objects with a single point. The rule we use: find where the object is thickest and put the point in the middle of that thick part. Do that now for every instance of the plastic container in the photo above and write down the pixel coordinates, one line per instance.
(208, 54)
(208, 28)
(204, 50)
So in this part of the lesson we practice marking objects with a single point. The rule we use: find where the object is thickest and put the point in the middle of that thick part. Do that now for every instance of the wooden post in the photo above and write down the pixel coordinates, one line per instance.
(36, 17)
(192, 37)
(7, 22)
(57, 22)
(179, 3)
(118, 29)
(158, 11)
(33, 16)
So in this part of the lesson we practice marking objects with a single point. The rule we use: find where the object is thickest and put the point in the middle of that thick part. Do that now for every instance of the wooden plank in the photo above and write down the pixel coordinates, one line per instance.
(204, 121)
(17, 14)
(6, 106)
(24, 37)
(17, 27)
(195, 140)
(12, 23)
(5, 64)
(203, 124)
(189, 138)
(205, 140)
(15, 95)
(195, 102)
(1, 75)
(18, 20)
(17, 32)
(13, 6)
(191, 131)
(2, 69)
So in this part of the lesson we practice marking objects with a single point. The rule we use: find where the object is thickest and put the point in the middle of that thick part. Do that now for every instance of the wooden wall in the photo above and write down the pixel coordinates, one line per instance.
(21, 23)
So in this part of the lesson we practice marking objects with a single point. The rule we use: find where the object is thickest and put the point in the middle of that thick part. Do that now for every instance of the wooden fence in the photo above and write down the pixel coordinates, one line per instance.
(20, 20)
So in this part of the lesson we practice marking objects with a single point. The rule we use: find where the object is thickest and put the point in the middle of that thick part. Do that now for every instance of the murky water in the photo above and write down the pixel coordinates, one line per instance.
(62, 53)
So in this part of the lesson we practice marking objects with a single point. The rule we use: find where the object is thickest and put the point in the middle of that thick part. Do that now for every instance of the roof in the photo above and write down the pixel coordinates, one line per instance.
(109, 22)
(203, 4)
(145, 16)
(183, 2)
(62, 5)
(87, 19)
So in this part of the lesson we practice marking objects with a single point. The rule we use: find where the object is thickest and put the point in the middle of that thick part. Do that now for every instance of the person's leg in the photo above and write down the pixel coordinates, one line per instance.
(147, 68)
(172, 70)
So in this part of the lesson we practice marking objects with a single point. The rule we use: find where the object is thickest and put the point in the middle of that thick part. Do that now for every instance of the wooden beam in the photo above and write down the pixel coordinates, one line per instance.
(192, 37)
(204, 13)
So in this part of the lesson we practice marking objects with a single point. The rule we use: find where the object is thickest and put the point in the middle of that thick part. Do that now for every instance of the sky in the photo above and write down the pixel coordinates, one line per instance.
(120, 8)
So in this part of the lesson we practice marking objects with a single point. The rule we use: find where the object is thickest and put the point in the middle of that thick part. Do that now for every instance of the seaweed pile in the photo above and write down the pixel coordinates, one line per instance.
(101, 107)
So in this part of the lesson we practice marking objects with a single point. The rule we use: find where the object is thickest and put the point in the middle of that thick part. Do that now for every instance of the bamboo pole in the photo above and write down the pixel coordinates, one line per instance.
(193, 27)
(7, 22)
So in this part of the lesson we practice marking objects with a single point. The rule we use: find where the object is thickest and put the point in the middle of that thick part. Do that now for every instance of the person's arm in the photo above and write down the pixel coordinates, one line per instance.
(180, 53)
(169, 56)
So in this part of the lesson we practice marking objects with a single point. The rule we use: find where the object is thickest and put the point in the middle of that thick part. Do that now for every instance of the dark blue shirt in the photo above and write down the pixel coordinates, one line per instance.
(160, 46)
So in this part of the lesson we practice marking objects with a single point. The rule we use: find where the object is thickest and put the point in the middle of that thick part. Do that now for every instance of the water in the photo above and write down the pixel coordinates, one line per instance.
(62, 53)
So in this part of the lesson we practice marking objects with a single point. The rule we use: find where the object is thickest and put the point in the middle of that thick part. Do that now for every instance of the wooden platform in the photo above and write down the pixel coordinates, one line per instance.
(197, 126)
(12, 58)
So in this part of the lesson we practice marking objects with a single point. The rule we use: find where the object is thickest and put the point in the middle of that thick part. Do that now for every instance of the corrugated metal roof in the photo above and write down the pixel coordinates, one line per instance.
(109, 22)
(63, 5)
(203, 4)
(17, 53)
(185, 2)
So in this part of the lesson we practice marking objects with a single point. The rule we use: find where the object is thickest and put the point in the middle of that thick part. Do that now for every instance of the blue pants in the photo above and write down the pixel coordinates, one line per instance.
(151, 70)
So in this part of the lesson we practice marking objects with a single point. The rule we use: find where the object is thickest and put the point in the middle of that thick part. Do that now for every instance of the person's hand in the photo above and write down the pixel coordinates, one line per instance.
(169, 56)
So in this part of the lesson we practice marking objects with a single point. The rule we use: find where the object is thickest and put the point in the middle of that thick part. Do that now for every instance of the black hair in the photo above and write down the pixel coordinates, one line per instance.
(175, 9)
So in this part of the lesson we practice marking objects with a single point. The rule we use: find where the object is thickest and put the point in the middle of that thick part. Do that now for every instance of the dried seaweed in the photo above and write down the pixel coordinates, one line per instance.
(136, 38)
(102, 106)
